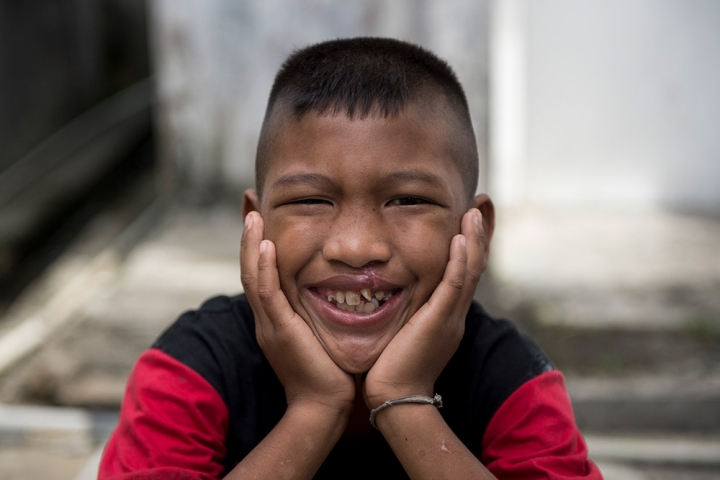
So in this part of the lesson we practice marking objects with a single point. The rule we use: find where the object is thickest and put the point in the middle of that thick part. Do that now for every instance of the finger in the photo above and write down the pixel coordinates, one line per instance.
(252, 235)
(250, 251)
(449, 292)
(273, 300)
(472, 228)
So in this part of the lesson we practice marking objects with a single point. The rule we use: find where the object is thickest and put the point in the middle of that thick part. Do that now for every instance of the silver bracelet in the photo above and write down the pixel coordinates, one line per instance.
(436, 400)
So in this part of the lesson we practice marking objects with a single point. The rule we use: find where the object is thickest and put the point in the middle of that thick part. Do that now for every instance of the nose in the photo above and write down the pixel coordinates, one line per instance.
(357, 240)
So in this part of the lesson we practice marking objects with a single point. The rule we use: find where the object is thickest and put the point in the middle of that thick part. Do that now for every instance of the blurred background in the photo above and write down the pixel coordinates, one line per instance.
(127, 135)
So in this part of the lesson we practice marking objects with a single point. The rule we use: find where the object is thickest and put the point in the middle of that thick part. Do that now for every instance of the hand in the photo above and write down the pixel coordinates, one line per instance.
(413, 360)
(305, 370)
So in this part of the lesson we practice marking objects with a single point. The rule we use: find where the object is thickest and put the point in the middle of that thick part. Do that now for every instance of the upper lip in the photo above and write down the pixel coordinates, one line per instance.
(356, 283)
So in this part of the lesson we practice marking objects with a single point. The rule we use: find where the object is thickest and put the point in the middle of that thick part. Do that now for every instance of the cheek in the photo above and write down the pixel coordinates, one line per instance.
(295, 244)
(425, 247)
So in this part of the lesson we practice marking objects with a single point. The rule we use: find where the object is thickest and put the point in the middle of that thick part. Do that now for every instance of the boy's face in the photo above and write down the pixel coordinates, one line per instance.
(353, 205)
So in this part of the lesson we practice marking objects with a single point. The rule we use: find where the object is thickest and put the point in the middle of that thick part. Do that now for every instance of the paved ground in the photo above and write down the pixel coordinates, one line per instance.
(620, 365)
(630, 271)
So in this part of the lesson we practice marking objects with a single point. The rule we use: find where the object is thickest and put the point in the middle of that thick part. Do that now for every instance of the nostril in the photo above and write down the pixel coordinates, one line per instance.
(357, 251)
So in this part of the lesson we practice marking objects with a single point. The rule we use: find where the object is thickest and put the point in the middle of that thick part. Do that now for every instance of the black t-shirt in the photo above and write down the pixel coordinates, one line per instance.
(218, 342)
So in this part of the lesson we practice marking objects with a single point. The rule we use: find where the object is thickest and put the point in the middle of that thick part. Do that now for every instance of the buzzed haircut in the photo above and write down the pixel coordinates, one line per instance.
(368, 76)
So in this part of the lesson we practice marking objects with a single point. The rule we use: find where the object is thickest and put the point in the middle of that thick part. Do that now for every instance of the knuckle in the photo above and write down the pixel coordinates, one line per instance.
(247, 279)
(456, 283)
(474, 275)
(264, 292)
(244, 244)
(483, 239)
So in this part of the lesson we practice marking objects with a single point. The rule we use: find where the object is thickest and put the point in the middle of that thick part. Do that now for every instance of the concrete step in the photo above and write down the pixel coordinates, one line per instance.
(191, 256)
(85, 268)
(608, 349)
(651, 404)
(702, 452)
(39, 442)
(687, 352)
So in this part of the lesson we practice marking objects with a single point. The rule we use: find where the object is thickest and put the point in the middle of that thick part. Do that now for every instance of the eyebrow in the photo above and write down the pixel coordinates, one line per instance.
(292, 179)
(415, 176)
(323, 181)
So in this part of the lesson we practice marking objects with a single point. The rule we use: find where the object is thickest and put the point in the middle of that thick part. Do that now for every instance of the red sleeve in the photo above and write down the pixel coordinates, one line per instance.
(173, 425)
(533, 435)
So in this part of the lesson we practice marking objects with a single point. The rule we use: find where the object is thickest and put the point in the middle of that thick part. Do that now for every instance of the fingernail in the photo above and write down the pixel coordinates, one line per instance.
(263, 246)
(248, 220)
(462, 240)
(477, 218)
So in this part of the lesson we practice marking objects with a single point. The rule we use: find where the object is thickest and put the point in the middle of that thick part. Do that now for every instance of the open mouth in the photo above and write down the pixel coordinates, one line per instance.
(364, 301)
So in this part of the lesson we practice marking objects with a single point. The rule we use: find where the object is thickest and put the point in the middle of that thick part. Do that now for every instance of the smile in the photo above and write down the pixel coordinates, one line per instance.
(365, 301)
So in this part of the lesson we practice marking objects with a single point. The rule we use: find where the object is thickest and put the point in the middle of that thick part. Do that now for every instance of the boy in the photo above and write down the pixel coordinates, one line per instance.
(362, 248)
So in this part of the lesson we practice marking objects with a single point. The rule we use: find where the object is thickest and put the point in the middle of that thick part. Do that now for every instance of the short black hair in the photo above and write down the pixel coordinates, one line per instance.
(368, 76)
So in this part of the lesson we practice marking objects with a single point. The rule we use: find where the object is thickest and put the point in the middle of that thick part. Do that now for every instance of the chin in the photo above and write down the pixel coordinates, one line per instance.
(354, 364)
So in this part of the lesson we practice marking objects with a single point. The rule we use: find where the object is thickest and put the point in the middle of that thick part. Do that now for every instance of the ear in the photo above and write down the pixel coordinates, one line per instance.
(250, 202)
(483, 203)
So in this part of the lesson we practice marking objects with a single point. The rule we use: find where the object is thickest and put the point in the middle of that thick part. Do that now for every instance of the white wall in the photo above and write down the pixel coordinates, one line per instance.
(606, 104)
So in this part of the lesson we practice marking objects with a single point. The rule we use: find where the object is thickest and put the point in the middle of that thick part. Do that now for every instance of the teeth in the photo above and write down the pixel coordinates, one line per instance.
(352, 298)
(354, 302)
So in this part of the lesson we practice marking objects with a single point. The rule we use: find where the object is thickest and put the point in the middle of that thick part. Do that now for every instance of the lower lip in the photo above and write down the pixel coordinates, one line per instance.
(352, 319)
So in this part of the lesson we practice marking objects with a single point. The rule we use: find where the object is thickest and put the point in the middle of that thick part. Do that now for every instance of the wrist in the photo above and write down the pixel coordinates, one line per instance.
(320, 416)
(341, 402)
(318, 421)
(435, 401)
(374, 398)
(402, 417)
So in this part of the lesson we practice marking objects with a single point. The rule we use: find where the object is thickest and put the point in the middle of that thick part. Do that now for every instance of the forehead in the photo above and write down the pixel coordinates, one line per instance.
(413, 141)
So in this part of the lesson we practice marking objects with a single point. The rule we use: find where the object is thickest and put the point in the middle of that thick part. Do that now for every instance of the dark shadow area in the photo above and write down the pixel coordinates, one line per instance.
(75, 127)
(41, 246)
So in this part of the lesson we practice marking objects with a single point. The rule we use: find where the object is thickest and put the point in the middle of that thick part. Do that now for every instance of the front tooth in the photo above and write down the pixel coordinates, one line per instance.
(350, 308)
(352, 298)
(360, 306)
(379, 294)
(366, 293)
(370, 306)
(340, 297)
(342, 306)
(375, 302)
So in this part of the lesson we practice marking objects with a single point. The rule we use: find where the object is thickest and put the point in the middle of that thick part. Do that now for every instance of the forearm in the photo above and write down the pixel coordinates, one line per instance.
(426, 446)
(296, 447)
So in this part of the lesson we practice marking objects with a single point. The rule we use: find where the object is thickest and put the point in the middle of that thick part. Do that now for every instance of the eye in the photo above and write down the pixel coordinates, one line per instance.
(408, 201)
(306, 202)
(310, 201)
